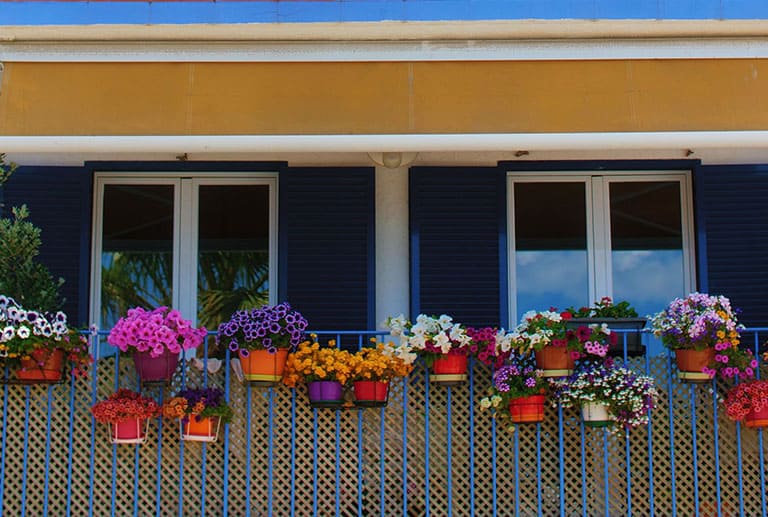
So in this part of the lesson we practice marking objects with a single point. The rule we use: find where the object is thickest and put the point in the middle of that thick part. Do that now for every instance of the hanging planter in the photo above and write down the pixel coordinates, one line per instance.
(371, 393)
(133, 431)
(325, 394)
(127, 413)
(200, 429)
(264, 368)
(748, 401)
(595, 414)
(449, 369)
(693, 365)
(155, 369)
(527, 410)
(757, 419)
(555, 361)
(200, 412)
(43, 366)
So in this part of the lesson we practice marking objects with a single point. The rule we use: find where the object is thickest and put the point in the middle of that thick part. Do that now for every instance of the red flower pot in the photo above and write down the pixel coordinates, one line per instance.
(449, 369)
(49, 371)
(129, 431)
(527, 409)
(261, 367)
(371, 393)
(556, 361)
(200, 429)
(757, 419)
(691, 364)
(155, 369)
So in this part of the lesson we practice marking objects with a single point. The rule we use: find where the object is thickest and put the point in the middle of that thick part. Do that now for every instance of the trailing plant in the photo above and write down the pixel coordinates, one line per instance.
(519, 378)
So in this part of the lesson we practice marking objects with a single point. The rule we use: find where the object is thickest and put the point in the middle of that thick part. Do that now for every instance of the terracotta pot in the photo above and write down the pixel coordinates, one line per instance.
(556, 361)
(325, 393)
(200, 429)
(129, 431)
(692, 362)
(50, 371)
(155, 369)
(595, 414)
(263, 367)
(527, 409)
(757, 419)
(371, 393)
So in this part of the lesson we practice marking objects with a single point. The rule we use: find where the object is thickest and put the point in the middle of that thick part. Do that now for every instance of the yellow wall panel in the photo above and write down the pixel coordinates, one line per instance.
(387, 97)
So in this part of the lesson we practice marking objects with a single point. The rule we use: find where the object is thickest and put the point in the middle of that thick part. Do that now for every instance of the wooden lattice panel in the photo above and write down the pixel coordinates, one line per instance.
(321, 461)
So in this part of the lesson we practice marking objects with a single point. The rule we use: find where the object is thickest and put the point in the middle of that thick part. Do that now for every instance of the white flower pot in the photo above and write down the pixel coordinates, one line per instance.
(595, 414)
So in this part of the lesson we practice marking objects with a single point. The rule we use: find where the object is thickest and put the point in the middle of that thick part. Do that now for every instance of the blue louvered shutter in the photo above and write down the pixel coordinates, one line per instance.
(59, 202)
(731, 215)
(458, 243)
(326, 250)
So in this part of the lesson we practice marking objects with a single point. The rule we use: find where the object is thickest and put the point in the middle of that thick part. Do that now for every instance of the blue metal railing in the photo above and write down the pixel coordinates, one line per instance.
(430, 452)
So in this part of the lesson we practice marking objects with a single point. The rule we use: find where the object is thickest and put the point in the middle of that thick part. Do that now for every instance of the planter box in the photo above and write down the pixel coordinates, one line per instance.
(635, 346)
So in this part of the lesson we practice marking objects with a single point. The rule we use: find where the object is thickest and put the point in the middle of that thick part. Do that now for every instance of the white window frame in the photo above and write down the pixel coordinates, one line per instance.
(185, 228)
(599, 260)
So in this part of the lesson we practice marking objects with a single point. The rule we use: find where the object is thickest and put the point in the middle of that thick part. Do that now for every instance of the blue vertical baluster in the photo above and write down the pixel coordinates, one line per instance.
(225, 463)
(95, 344)
(26, 452)
(628, 471)
(671, 398)
(270, 450)
(360, 463)
(114, 445)
(293, 451)
(248, 438)
(539, 502)
(651, 494)
(314, 461)
(740, 469)
(471, 436)
(694, 452)
(338, 461)
(494, 488)
(136, 474)
(4, 441)
(561, 450)
(584, 502)
(47, 450)
(449, 444)
(606, 474)
(159, 463)
(426, 440)
(382, 477)
(716, 445)
(763, 504)
(70, 452)
(516, 456)
(204, 446)
(405, 446)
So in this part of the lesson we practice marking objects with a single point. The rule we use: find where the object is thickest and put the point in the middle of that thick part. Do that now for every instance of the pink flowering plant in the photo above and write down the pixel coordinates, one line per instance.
(490, 345)
(700, 321)
(746, 398)
(540, 329)
(155, 332)
(430, 337)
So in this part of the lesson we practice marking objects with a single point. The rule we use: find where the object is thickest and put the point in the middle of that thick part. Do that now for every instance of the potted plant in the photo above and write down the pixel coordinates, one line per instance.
(557, 347)
(608, 395)
(518, 391)
(325, 371)
(155, 339)
(617, 316)
(200, 412)
(443, 344)
(703, 332)
(262, 339)
(128, 414)
(372, 370)
(38, 345)
(748, 402)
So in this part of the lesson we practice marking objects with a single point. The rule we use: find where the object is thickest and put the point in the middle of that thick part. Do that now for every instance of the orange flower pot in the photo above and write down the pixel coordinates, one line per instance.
(449, 369)
(200, 429)
(262, 367)
(757, 419)
(129, 431)
(49, 371)
(529, 409)
(556, 361)
(371, 393)
(692, 362)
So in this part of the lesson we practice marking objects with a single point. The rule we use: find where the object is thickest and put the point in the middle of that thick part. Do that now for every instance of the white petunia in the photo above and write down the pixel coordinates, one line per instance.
(23, 332)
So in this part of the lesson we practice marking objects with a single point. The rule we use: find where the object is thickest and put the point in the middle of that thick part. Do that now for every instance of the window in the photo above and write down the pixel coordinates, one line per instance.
(575, 238)
(205, 245)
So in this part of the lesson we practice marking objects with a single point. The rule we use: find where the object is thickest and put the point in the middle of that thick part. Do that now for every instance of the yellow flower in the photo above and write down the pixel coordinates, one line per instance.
(721, 334)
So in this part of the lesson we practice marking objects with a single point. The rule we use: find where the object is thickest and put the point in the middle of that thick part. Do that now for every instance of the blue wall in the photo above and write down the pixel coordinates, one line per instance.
(290, 11)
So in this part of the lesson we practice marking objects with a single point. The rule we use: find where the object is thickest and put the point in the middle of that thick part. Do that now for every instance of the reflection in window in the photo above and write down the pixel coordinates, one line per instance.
(137, 249)
(233, 250)
(646, 243)
(550, 221)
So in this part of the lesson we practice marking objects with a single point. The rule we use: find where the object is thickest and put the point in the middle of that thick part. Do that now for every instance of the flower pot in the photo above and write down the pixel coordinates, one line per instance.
(527, 409)
(595, 414)
(129, 431)
(632, 326)
(155, 369)
(449, 369)
(556, 361)
(757, 419)
(263, 368)
(325, 394)
(200, 429)
(49, 371)
(691, 364)
(371, 393)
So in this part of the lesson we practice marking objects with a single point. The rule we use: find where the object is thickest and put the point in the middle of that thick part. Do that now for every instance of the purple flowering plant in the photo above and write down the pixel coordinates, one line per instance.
(701, 321)
(155, 331)
(518, 378)
(267, 328)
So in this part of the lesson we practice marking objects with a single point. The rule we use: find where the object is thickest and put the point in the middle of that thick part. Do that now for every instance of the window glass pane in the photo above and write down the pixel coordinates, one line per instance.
(550, 245)
(233, 250)
(137, 249)
(646, 243)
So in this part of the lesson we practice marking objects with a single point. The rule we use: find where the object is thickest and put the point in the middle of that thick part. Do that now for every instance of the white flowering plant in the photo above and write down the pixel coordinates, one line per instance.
(539, 329)
(430, 337)
(628, 396)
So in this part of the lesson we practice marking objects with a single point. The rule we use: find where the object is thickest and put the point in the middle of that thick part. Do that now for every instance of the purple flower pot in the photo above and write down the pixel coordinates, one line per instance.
(155, 369)
(325, 393)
